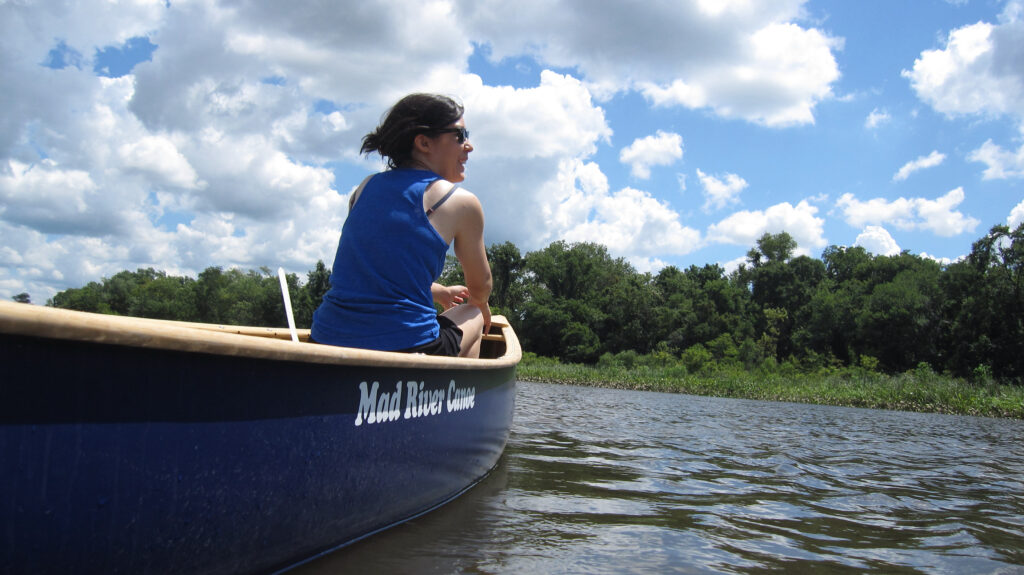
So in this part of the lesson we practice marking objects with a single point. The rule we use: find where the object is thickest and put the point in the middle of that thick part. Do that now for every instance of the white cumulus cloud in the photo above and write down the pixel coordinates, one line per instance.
(745, 60)
(1002, 164)
(979, 72)
(938, 216)
(783, 71)
(720, 192)
(876, 118)
(923, 162)
(975, 72)
(878, 241)
(630, 222)
(799, 221)
(1016, 216)
(661, 149)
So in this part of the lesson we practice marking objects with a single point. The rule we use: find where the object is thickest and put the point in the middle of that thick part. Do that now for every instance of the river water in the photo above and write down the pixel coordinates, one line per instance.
(611, 481)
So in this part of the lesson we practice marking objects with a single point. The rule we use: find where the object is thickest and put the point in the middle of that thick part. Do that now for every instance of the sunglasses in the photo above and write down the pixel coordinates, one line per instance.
(461, 134)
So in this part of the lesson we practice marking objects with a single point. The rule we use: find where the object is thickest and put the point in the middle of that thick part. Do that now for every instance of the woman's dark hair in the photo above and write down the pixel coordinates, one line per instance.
(413, 115)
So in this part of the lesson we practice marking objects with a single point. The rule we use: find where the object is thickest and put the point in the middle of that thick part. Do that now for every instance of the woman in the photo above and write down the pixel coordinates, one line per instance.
(394, 242)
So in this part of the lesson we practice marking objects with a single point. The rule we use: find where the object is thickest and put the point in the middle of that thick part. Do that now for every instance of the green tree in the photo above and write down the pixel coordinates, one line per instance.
(723, 349)
(579, 344)
(22, 297)
(676, 296)
(210, 293)
(898, 322)
(776, 320)
(165, 297)
(630, 306)
(576, 271)
(318, 281)
(781, 282)
(983, 309)
(699, 305)
(573, 280)
(772, 248)
(696, 358)
(847, 264)
(543, 325)
(452, 273)
(235, 297)
(89, 298)
(308, 297)
(509, 291)
(122, 290)
(828, 323)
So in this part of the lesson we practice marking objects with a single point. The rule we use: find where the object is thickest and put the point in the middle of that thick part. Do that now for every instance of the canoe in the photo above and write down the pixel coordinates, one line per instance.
(132, 445)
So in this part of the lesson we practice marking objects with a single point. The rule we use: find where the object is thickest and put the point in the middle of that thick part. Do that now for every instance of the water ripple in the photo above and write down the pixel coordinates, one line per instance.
(608, 481)
(775, 485)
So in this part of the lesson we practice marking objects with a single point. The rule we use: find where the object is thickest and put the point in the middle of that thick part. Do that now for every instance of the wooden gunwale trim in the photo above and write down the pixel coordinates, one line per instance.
(284, 333)
(236, 341)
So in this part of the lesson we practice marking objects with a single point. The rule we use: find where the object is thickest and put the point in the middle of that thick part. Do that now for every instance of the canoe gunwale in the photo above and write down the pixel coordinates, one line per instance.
(235, 341)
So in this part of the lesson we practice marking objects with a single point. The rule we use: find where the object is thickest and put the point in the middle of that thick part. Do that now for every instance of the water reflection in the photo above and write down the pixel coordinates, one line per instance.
(608, 481)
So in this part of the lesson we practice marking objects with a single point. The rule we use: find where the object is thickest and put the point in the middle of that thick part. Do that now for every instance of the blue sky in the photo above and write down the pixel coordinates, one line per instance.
(191, 134)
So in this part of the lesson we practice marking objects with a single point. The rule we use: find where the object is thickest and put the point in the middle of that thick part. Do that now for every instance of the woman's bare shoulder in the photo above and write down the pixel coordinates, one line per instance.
(459, 195)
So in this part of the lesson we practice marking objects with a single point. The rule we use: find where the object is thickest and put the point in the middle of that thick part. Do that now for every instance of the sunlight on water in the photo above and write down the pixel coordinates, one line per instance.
(609, 481)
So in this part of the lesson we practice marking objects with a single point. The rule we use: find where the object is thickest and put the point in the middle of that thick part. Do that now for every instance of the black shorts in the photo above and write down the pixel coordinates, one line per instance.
(449, 342)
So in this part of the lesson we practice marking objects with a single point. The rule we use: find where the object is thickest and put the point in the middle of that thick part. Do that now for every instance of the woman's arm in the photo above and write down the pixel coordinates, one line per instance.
(472, 254)
(448, 296)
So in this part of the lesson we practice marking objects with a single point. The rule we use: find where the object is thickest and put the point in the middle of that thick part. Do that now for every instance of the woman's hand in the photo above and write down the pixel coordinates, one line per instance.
(449, 296)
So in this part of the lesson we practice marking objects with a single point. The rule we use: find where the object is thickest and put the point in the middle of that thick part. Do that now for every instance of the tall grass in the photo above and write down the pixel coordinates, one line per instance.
(919, 389)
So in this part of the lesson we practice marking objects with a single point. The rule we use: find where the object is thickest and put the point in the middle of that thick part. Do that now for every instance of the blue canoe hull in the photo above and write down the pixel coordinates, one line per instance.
(121, 459)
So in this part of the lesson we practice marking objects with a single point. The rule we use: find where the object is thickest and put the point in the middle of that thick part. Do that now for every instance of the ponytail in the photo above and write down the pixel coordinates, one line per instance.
(413, 115)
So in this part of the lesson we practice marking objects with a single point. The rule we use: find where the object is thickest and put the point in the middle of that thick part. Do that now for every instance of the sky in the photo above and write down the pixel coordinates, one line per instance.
(180, 135)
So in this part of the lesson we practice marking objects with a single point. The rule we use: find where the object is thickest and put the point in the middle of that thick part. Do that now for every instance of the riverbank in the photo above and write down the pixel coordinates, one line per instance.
(917, 390)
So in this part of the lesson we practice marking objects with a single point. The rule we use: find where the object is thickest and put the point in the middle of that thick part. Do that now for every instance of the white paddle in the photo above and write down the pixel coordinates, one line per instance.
(287, 304)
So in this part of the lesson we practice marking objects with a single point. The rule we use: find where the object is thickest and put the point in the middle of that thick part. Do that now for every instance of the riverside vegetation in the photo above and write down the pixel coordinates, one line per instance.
(919, 389)
(848, 328)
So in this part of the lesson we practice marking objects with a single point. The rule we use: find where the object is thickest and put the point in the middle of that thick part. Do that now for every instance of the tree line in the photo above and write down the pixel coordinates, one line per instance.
(577, 303)
(231, 297)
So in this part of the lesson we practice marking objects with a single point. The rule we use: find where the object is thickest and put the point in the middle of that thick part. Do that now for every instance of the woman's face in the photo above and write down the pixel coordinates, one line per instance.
(448, 156)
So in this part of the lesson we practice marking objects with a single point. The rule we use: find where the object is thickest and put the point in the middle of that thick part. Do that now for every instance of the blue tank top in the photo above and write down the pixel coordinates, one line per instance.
(387, 257)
